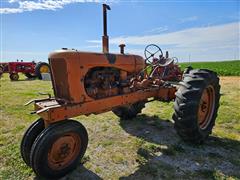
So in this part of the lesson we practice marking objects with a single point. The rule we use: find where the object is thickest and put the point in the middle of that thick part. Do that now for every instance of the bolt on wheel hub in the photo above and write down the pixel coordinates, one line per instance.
(63, 151)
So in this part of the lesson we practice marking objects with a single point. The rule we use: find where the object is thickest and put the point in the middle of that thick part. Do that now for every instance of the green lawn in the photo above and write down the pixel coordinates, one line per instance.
(223, 68)
(146, 147)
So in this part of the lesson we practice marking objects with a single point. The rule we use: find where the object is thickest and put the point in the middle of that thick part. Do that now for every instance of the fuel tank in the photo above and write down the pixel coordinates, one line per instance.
(69, 67)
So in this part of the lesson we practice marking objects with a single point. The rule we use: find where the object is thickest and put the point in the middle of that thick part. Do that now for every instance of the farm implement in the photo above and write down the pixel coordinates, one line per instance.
(87, 83)
(29, 69)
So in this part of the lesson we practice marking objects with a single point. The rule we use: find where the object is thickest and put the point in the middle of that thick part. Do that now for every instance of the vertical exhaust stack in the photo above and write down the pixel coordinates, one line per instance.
(105, 43)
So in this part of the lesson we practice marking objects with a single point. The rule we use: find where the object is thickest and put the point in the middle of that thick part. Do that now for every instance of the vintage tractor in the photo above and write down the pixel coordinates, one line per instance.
(87, 83)
(29, 69)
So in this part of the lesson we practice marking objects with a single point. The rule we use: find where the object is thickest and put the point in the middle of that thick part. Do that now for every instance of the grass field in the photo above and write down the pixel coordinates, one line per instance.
(223, 68)
(146, 147)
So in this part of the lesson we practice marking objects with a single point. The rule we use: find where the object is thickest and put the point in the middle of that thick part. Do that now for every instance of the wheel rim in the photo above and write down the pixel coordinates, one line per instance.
(15, 77)
(206, 107)
(44, 69)
(64, 151)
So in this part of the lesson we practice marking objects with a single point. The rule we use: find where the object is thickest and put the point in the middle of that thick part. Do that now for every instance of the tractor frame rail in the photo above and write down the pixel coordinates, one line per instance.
(52, 111)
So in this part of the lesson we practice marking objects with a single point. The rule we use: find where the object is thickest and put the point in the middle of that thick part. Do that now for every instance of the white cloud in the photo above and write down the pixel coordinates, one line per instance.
(10, 10)
(203, 43)
(158, 30)
(26, 5)
(188, 19)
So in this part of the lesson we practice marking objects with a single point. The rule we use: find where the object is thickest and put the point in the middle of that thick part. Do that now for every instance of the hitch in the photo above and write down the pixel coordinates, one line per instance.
(39, 100)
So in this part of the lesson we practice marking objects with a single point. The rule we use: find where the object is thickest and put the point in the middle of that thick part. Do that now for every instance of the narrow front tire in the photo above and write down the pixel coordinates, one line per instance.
(58, 149)
(28, 139)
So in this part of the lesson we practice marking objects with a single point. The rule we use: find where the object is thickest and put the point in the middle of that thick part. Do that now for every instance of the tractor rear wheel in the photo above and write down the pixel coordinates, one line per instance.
(196, 105)
(40, 68)
(129, 111)
(58, 149)
(14, 76)
(28, 139)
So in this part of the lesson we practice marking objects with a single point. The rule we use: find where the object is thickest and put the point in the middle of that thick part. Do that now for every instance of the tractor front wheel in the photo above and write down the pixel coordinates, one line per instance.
(129, 111)
(58, 149)
(28, 139)
(196, 105)
(14, 76)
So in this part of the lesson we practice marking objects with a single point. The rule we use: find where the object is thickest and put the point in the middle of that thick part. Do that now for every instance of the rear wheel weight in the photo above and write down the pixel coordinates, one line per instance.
(58, 149)
(196, 105)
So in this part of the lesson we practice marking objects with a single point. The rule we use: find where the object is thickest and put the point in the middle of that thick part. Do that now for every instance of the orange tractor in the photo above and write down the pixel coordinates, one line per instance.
(87, 83)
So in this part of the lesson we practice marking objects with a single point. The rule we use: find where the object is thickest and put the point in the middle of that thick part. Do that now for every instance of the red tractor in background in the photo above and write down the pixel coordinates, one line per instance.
(29, 69)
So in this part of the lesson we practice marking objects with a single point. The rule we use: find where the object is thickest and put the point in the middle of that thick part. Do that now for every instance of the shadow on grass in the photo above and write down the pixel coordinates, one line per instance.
(163, 155)
(79, 173)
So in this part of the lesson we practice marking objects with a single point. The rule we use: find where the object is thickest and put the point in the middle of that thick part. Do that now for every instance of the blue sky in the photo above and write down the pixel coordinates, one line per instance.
(204, 30)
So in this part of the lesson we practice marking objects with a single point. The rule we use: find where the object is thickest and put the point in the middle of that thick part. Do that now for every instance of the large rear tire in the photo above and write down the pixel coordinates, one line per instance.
(58, 149)
(129, 111)
(196, 105)
(28, 139)
(40, 68)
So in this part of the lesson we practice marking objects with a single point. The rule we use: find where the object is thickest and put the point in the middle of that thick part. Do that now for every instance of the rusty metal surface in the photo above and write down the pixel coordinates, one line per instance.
(111, 58)
(95, 82)
(52, 111)
(105, 44)
(70, 67)
(61, 86)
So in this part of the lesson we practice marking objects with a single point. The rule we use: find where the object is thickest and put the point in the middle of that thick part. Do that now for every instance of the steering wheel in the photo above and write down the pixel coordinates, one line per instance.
(152, 50)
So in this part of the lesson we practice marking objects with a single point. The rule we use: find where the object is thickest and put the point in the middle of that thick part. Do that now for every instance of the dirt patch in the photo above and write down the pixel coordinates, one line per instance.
(228, 80)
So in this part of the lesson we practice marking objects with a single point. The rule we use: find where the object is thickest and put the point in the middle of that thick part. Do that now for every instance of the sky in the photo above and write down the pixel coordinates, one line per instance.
(196, 30)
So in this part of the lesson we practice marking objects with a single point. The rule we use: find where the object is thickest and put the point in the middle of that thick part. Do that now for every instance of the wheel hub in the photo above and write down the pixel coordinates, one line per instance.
(63, 151)
(206, 107)
(44, 69)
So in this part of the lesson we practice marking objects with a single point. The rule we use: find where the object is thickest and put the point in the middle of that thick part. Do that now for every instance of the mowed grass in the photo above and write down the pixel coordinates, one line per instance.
(223, 68)
(146, 147)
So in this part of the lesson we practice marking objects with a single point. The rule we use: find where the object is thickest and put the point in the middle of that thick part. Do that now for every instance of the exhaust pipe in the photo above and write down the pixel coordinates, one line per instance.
(105, 43)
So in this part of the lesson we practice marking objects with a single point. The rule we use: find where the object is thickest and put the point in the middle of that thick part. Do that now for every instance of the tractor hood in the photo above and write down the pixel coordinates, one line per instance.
(69, 67)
